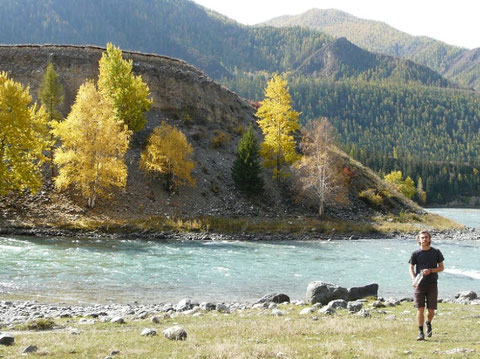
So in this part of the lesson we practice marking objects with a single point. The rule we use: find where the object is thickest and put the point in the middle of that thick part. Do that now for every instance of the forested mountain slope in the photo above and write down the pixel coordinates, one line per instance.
(185, 30)
(457, 64)
(374, 91)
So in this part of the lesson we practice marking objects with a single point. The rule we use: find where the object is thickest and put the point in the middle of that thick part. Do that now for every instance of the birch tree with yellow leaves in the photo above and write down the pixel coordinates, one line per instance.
(129, 94)
(169, 154)
(278, 121)
(94, 142)
(23, 138)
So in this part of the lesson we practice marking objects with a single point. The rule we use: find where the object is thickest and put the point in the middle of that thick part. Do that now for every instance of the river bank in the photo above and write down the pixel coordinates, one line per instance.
(289, 330)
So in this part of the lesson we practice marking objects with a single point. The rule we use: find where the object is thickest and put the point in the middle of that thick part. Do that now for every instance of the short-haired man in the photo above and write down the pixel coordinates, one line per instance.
(429, 261)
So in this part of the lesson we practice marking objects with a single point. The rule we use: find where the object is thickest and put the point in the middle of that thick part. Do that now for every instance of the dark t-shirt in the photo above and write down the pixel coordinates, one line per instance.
(427, 260)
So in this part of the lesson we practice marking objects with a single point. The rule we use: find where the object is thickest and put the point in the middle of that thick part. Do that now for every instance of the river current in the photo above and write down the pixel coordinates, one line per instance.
(107, 270)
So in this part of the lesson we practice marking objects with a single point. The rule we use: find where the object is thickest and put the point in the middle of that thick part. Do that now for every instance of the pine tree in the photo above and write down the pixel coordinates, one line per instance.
(278, 121)
(246, 170)
(130, 95)
(169, 154)
(51, 95)
(94, 142)
(23, 133)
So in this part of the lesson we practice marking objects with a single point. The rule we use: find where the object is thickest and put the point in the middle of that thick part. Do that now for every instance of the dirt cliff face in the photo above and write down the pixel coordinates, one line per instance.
(178, 89)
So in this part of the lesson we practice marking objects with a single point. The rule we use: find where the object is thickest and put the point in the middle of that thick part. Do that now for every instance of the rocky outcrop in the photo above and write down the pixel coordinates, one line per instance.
(321, 292)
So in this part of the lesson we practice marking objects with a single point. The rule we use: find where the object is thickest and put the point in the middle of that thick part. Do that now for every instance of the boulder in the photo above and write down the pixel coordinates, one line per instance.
(206, 306)
(337, 303)
(6, 339)
(327, 310)
(370, 290)
(175, 333)
(466, 296)
(321, 292)
(184, 304)
(354, 306)
(275, 298)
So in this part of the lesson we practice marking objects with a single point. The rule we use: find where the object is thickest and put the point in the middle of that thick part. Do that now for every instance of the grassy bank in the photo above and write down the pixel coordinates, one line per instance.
(403, 223)
(390, 333)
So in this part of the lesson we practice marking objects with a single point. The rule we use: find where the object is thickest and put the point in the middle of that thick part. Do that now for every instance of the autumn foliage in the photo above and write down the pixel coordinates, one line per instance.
(94, 142)
(168, 153)
(23, 138)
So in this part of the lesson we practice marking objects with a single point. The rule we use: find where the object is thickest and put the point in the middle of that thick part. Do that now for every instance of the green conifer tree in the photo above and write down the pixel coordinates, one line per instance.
(246, 169)
(51, 95)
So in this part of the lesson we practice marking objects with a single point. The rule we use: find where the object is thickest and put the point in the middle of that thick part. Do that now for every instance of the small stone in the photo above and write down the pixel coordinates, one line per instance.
(276, 312)
(117, 320)
(6, 339)
(148, 332)
(155, 320)
(30, 349)
(390, 317)
(115, 352)
(175, 333)
(306, 311)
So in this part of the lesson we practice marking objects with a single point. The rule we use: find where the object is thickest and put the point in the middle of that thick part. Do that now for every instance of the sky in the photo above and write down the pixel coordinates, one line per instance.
(455, 22)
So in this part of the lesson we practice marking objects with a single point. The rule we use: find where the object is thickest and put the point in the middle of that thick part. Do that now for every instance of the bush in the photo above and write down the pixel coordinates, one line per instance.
(220, 139)
(38, 324)
(371, 197)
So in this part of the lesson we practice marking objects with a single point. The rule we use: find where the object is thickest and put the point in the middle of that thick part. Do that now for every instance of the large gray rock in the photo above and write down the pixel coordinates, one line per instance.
(6, 339)
(275, 298)
(370, 290)
(466, 296)
(321, 292)
(175, 333)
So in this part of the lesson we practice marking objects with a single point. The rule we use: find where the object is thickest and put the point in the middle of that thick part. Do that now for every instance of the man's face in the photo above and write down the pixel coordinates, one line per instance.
(424, 239)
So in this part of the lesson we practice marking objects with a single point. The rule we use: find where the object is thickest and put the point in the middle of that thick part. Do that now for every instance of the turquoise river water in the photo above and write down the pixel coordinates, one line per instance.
(105, 270)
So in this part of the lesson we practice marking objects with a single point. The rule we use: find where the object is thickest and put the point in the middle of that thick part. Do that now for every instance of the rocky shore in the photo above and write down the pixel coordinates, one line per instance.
(324, 298)
(452, 234)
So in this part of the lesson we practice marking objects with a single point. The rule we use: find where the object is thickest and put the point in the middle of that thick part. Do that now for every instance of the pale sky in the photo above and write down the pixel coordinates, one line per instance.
(455, 22)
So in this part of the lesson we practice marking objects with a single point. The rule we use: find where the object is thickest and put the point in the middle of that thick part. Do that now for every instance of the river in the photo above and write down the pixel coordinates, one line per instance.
(107, 270)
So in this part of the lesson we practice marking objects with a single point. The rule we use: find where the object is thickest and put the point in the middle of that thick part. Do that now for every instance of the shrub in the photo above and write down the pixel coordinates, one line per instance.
(220, 139)
(371, 196)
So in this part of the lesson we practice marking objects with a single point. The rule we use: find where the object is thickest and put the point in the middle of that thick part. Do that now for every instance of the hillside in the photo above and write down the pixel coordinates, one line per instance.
(340, 59)
(177, 89)
(455, 63)
(185, 30)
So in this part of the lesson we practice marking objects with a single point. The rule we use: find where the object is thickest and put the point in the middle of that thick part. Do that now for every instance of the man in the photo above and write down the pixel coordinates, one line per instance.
(429, 261)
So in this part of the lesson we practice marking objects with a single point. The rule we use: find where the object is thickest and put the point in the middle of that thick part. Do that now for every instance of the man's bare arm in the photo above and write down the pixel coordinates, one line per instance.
(412, 271)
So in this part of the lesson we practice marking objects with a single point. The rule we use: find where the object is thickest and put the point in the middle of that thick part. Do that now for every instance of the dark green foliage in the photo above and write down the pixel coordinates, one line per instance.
(246, 170)
(428, 129)
(51, 93)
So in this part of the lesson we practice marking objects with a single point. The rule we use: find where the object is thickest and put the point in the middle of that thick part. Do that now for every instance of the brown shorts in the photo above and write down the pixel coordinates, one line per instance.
(428, 293)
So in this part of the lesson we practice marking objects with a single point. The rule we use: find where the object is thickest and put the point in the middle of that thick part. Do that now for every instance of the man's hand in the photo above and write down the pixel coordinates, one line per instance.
(426, 271)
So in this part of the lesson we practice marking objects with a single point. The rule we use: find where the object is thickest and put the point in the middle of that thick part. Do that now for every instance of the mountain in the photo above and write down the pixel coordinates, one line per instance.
(183, 29)
(178, 89)
(409, 101)
(340, 59)
(455, 63)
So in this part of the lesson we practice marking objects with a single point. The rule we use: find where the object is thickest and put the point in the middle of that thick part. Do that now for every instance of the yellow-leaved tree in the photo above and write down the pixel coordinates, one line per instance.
(130, 95)
(23, 138)
(169, 154)
(405, 187)
(94, 142)
(278, 121)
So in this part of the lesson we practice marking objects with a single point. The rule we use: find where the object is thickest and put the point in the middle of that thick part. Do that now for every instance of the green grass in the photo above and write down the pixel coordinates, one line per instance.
(251, 334)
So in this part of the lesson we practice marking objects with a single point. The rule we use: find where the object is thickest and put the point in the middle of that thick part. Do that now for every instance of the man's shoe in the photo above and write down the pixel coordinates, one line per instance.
(429, 330)
(421, 336)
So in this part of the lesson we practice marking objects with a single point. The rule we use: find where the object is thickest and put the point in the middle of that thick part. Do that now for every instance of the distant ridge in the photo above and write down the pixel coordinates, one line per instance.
(451, 61)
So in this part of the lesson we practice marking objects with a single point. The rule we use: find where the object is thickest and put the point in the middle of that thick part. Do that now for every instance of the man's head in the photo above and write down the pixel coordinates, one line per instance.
(424, 238)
